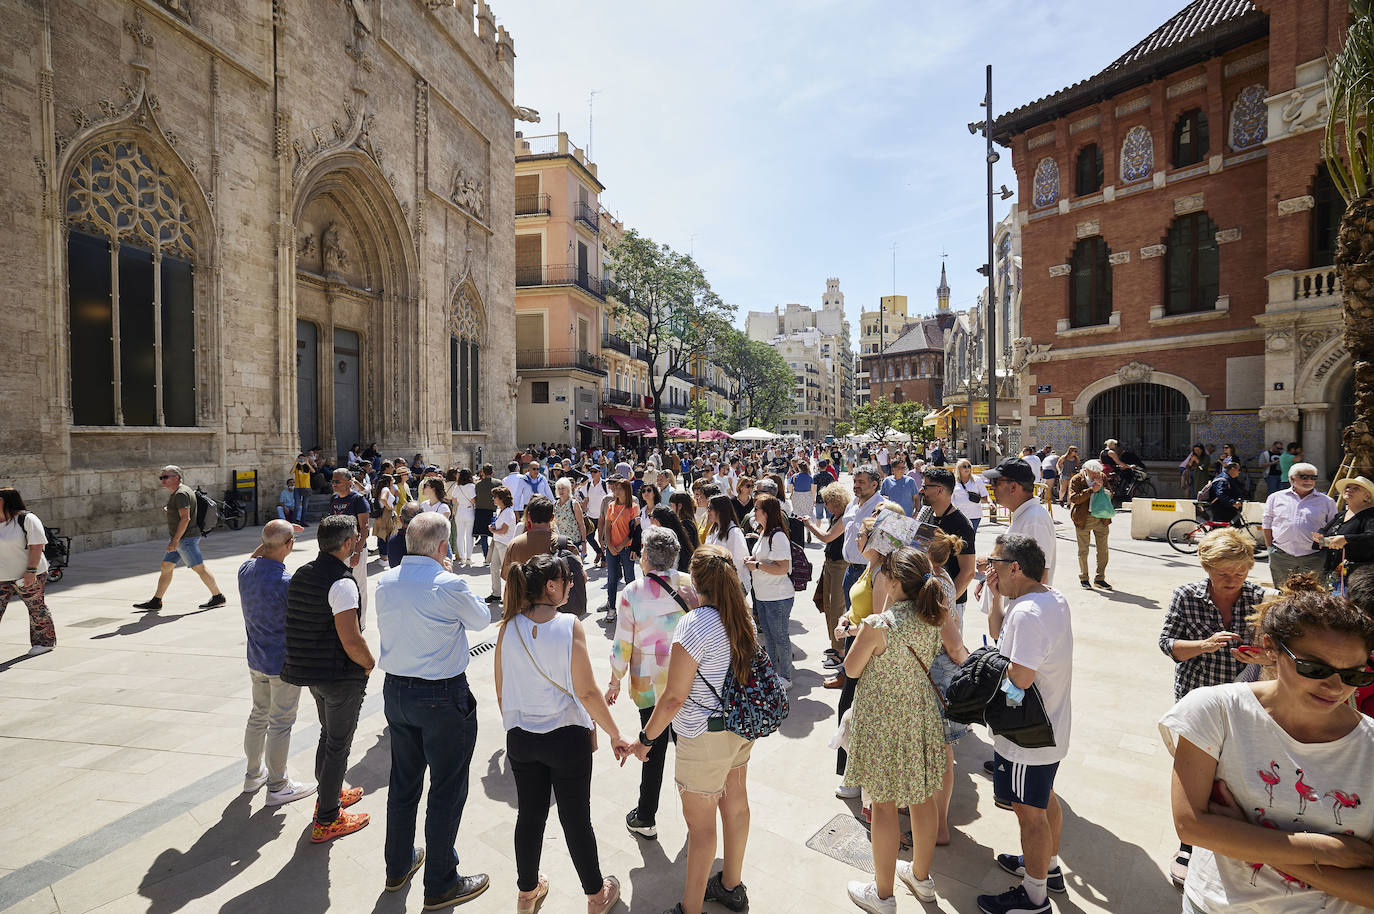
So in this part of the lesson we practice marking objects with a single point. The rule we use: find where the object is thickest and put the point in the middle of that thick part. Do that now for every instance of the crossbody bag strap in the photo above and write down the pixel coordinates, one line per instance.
(539, 669)
(672, 593)
(933, 687)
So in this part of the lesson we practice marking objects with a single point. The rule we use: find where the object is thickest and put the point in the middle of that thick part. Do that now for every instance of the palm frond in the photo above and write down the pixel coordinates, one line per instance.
(1348, 146)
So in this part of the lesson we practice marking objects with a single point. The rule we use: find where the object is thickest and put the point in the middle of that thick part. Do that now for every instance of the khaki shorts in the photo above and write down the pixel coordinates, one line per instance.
(704, 762)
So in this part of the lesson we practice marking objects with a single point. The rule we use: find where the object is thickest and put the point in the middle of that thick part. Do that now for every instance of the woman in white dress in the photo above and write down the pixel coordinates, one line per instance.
(726, 533)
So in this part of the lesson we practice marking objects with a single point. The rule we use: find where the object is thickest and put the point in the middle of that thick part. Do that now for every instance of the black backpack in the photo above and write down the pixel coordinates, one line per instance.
(52, 551)
(207, 512)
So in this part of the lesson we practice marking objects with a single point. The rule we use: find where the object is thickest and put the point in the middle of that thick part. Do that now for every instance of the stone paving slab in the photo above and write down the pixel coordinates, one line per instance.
(120, 760)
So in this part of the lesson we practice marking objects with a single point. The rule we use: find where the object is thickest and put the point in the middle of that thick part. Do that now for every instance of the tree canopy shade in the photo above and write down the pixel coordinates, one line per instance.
(667, 307)
(765, 382)
(879, 415)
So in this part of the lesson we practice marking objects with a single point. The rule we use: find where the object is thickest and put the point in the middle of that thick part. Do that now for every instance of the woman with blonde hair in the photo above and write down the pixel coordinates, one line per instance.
(1205, 623)
(710, 641)
(896, 743)
(548, 698)
(567, 516)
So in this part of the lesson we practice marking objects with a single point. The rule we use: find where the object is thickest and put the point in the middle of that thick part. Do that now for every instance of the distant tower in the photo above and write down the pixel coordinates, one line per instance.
(833, 297)
(942, 292)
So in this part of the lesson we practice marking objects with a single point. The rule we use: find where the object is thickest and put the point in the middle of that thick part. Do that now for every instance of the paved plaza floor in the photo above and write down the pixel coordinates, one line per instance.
(121, 765)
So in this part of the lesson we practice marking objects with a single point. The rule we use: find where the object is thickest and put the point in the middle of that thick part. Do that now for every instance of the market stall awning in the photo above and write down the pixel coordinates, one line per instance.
(599, 426)
(938, 418)
(636, 425)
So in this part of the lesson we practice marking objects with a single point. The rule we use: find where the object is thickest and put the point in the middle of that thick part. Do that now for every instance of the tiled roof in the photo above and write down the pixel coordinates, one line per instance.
(1200, 30)
(921, 335)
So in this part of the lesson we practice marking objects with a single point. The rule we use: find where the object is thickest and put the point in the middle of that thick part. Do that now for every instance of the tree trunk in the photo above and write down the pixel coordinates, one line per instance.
(1355, 266)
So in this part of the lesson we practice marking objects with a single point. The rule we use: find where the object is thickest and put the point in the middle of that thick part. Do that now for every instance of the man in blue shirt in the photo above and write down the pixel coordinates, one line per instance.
(267, 739)
(1225, 495)
(901, 488)
(424, 613)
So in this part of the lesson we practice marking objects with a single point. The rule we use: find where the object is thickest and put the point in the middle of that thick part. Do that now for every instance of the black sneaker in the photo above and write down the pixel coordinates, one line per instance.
(1083, 582)
(154, 603)
(1016, 865)
(217, 600)
(466, 889)
(1102, 582)
(639, 827)
(736, 899)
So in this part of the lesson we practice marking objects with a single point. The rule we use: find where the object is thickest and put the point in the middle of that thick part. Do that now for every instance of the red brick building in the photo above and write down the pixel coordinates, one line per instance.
(1176, 239)
(912, 367)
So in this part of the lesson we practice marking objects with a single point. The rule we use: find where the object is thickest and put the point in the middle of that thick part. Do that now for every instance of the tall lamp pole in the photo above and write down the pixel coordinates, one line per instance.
(990, 321)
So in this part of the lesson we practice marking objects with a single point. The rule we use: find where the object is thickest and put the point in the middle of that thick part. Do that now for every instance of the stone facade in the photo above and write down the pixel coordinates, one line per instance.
(318, 194)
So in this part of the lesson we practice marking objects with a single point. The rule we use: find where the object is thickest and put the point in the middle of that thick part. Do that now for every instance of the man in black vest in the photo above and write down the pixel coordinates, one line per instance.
(325, 652)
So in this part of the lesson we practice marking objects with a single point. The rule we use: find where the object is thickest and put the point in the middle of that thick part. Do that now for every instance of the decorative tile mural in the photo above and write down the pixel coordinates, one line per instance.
(1137, 155)
(1249, 118)
(1241, 427)
(1046, 184)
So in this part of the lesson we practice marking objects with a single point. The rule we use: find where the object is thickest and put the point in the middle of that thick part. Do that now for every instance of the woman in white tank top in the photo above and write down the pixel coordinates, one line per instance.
(549, 700)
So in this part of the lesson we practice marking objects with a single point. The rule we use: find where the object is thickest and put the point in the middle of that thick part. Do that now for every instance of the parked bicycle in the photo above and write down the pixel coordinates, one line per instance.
(1184, 535)
(1128, 482)
(231, 513)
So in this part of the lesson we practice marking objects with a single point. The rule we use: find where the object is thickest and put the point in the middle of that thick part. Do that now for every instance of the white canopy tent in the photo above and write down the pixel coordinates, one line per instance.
(753, 433)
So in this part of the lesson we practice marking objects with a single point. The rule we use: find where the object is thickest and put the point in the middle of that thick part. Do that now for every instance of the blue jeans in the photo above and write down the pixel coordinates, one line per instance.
(302, 496)
(433, 724)
(820, 509)
(773, 619)
(618, 565)
(852, 574)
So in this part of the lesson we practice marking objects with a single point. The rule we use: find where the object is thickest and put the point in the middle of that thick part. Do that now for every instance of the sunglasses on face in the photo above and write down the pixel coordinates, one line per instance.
(1306, 476)
(1312, 669)
(165, 477)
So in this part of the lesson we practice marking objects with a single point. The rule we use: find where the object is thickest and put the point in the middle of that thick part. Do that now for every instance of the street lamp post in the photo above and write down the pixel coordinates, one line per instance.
(990, 323)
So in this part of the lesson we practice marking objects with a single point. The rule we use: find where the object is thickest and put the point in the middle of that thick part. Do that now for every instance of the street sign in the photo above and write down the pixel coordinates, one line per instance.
(1043, 388)
(245, 479)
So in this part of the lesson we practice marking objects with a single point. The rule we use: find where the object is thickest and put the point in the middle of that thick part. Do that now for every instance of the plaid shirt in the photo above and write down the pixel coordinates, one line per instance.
(1193, 616)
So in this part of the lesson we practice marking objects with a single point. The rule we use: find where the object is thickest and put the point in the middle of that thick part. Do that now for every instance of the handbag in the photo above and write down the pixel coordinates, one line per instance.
(1100, 505)
(944, 706)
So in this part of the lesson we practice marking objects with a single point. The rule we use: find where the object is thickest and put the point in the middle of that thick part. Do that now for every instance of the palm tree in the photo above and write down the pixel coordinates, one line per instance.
(1349, 153)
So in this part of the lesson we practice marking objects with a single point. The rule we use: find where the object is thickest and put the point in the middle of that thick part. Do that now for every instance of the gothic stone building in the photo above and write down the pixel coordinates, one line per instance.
(239, 229)
(1177, 232)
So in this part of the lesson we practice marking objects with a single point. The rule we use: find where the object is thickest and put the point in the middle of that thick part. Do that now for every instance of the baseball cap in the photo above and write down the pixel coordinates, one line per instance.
(1013, 468)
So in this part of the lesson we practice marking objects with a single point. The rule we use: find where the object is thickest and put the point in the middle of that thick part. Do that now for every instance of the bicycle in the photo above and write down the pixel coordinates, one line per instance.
(231, 513)
(1184, 535)
(1130, 481)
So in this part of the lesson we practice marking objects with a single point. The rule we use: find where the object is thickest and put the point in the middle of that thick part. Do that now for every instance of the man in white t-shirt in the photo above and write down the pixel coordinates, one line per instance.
(884, 460)
(1013, 484)
(1036, 636)
(1028, 455)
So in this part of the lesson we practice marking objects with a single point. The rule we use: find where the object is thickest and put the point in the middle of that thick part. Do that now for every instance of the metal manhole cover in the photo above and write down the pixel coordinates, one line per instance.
(95, 623)
(845, 839)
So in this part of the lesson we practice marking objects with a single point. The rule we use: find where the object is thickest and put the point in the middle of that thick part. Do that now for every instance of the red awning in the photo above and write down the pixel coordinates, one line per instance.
(636, 425)
(599, 426)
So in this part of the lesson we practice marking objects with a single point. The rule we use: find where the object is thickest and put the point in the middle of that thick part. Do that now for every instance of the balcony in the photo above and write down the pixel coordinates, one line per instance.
(532, 205)
(616, 397)
(543, 359)
(568, 274)
(618, 343)
(720, 389)
(587, 214)
(1300, 289)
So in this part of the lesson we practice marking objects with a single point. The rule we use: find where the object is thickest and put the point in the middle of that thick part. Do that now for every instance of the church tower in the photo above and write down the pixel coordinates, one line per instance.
(942, 292)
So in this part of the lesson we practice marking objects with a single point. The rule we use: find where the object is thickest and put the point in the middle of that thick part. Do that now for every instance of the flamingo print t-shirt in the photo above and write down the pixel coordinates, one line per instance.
(1280, 783)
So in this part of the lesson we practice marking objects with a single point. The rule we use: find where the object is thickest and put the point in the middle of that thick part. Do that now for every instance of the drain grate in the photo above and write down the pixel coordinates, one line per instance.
(481, 648)
(846, 839)
(95, 623)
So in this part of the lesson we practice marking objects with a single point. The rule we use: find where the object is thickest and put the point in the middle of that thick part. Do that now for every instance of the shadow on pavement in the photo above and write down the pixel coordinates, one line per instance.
(149, 620)
(1117, 596)
(499, 783)
(657, 884)
(372, 772)
(300, 887)
(15, 660)
(1099, 865)
(219, 855)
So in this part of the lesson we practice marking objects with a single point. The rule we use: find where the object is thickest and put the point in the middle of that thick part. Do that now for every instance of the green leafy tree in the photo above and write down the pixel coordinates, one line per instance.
(701, 418)
(910, 415)
(667, 307)
(1349, 154)
(843, 429)
(876, 417)
(763, 382)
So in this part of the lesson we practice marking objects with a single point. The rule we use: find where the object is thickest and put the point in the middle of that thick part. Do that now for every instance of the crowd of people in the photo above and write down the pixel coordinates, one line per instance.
(703, 556)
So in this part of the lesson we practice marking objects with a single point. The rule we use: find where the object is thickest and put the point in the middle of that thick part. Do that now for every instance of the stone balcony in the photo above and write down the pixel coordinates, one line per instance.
(1300, 290)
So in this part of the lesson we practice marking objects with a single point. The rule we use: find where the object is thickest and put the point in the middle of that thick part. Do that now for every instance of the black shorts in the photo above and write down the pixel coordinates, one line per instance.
(1017, 782)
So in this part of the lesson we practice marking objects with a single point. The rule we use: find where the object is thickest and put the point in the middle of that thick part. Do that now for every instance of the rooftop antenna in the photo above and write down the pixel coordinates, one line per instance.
(894, 269)
(591, 99)
(692, 244)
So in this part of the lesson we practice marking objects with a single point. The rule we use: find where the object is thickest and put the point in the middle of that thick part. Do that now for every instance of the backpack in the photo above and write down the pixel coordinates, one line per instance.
(51, 551)
(754, 708)
(801, 565)
(206, 513)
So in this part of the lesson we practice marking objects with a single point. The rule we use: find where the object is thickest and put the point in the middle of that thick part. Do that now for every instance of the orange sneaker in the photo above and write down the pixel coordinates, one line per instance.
(346, 824)
(347, 798)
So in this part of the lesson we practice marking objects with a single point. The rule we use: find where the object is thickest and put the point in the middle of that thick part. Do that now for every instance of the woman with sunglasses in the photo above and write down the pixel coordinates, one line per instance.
(1349, 538)
(1267, 775)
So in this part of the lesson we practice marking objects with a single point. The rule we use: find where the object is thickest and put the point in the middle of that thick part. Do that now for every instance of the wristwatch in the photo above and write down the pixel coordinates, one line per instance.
(644, 739)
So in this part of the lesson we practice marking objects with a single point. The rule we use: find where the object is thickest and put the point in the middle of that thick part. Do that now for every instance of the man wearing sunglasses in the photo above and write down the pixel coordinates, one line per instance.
(1291, 516)
(183, 543)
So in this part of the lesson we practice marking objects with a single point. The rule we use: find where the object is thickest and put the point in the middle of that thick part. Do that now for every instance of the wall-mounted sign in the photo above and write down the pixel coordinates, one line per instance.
(1043, 388)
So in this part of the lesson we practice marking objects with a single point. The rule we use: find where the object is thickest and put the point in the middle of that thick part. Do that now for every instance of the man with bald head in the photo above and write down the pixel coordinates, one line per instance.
(263, 581)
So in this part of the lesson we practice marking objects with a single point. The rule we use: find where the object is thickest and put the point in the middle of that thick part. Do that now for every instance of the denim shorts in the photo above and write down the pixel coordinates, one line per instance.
(187, 553)
(942, 670)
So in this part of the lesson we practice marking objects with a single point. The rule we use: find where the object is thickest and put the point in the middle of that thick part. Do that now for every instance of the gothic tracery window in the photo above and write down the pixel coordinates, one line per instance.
(466, 323)
(131, 246)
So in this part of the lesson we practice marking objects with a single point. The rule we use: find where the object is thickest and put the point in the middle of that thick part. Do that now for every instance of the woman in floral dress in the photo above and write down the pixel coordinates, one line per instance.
(896, 738)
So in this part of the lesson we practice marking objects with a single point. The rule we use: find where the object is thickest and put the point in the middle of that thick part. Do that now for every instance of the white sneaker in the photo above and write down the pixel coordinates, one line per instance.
(924, 889)
(847, 793)
(865, 895)
(252, 783)
(39, 649)
(294, 790)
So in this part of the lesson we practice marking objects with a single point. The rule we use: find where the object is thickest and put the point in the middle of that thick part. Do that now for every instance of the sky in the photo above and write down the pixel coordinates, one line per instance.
(781, 142)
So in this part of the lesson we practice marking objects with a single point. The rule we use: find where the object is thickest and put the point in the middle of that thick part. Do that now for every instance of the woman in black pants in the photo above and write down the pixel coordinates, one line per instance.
(548, 700)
